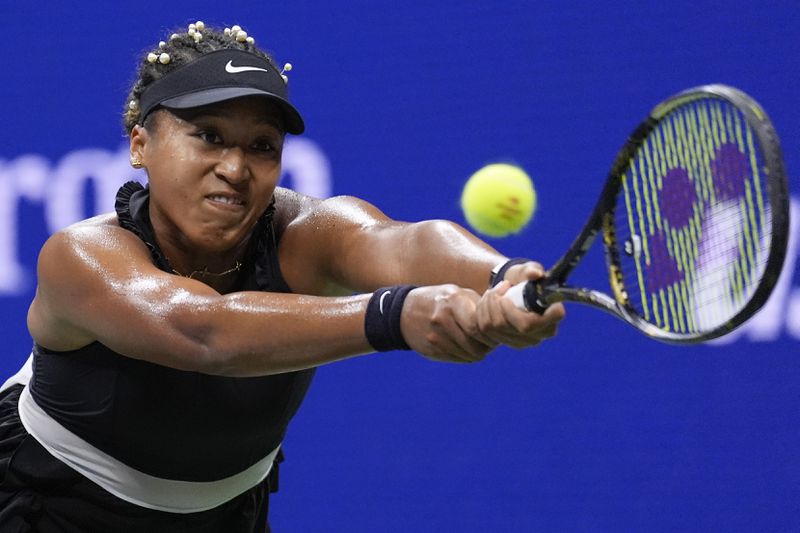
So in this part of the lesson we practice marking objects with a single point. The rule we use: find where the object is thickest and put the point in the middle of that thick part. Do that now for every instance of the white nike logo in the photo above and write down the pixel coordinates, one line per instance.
(230, 67)
(380, 303)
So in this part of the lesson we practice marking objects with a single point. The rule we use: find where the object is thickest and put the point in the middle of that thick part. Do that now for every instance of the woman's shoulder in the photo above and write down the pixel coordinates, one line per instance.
(99, 232)
(290, 206)
(104, 225)
(289, 202)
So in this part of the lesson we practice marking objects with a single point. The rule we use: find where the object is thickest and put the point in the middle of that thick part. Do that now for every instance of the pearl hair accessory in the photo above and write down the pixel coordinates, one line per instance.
(195, 29)
(286, 68)
(195, 32)
(237, 33)
(232, 31)
(162, 58)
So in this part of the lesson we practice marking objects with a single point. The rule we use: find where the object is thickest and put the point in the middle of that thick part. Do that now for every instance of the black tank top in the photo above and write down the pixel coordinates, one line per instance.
(165, 422)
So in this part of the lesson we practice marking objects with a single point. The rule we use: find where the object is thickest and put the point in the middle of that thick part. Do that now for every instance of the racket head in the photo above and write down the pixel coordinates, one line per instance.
(695, 216)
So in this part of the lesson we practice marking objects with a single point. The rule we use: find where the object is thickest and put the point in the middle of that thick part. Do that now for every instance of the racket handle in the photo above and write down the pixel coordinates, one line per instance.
(528, 296)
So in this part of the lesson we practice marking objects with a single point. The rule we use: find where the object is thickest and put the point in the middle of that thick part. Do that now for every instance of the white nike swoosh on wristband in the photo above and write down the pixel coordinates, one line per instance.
(380, 303)
(233, 69)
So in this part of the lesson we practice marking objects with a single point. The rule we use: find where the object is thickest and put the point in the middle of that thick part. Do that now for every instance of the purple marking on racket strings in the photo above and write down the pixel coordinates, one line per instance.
(678, 197)
(729, 171)
(662, 271)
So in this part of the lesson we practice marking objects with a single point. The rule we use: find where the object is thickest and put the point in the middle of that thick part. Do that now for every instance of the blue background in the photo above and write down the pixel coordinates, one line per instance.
(599, 429)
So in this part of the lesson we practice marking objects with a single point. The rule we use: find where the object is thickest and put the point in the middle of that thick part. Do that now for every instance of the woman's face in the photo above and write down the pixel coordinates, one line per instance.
(212, 171)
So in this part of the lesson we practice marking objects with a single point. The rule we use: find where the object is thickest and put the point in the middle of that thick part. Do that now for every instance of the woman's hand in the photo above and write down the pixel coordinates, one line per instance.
(501, 322)
(453, 324)
(440, 323)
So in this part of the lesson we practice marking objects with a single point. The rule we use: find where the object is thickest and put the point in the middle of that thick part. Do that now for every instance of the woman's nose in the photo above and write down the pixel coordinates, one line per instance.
(232, 165)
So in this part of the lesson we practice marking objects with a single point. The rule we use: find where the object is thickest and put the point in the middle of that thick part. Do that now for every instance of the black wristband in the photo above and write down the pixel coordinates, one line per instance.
(382, 321)
(499, 272)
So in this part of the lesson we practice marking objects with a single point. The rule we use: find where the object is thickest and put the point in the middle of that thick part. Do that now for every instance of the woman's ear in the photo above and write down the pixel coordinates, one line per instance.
(139, 138)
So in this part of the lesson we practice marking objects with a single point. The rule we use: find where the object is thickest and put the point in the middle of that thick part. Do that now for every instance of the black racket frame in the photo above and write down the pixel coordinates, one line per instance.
(552, 288)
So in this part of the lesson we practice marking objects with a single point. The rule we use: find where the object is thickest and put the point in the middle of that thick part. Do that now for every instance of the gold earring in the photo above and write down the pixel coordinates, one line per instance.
(135, 162)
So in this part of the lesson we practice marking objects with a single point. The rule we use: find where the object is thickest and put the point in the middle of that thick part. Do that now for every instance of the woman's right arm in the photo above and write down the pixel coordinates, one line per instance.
(97, 283)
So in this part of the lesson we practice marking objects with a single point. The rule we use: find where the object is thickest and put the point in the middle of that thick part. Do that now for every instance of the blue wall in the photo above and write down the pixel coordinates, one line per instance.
(599, 429)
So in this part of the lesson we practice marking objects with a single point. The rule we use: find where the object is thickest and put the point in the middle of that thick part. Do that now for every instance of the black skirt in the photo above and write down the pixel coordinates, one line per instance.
(39, 493)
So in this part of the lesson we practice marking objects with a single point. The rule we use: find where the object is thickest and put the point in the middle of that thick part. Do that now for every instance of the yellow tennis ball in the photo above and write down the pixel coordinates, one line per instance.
(498, 200)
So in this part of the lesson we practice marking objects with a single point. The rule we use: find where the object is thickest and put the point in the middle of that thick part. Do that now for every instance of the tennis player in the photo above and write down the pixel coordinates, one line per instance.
(176, 338)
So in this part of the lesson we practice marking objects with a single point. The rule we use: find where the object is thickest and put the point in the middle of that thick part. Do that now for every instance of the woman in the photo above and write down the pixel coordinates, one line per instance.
(175, 338)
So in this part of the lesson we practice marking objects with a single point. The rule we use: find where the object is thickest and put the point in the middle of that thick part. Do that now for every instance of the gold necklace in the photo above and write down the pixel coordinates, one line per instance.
(236, 268)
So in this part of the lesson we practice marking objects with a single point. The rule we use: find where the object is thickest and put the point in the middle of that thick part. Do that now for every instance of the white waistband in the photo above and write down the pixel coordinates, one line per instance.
(128, 483)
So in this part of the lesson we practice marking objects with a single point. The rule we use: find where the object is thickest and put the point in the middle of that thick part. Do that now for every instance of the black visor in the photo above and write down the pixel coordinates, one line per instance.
(218, 76)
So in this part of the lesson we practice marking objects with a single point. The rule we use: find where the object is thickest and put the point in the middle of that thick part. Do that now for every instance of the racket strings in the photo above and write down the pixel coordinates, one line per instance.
(692, 222)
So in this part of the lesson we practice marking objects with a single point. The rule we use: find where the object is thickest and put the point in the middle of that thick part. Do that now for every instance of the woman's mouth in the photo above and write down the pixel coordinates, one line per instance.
(229, 200)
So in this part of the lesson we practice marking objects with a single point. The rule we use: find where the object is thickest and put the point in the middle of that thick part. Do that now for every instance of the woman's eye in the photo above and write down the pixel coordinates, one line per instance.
(210, 137)
(263, 146)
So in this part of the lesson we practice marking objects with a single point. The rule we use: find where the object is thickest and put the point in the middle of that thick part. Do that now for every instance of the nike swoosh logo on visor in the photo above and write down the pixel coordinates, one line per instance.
(233, 69)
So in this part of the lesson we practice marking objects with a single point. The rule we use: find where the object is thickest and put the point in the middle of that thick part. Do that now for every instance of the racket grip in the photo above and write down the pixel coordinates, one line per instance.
(528, 297)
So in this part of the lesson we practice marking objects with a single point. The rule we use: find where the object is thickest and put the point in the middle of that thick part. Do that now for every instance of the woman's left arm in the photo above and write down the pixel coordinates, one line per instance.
(344, 245)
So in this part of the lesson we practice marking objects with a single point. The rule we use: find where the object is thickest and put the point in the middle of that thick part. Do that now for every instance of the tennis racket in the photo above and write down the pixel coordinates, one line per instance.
(694, 216)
